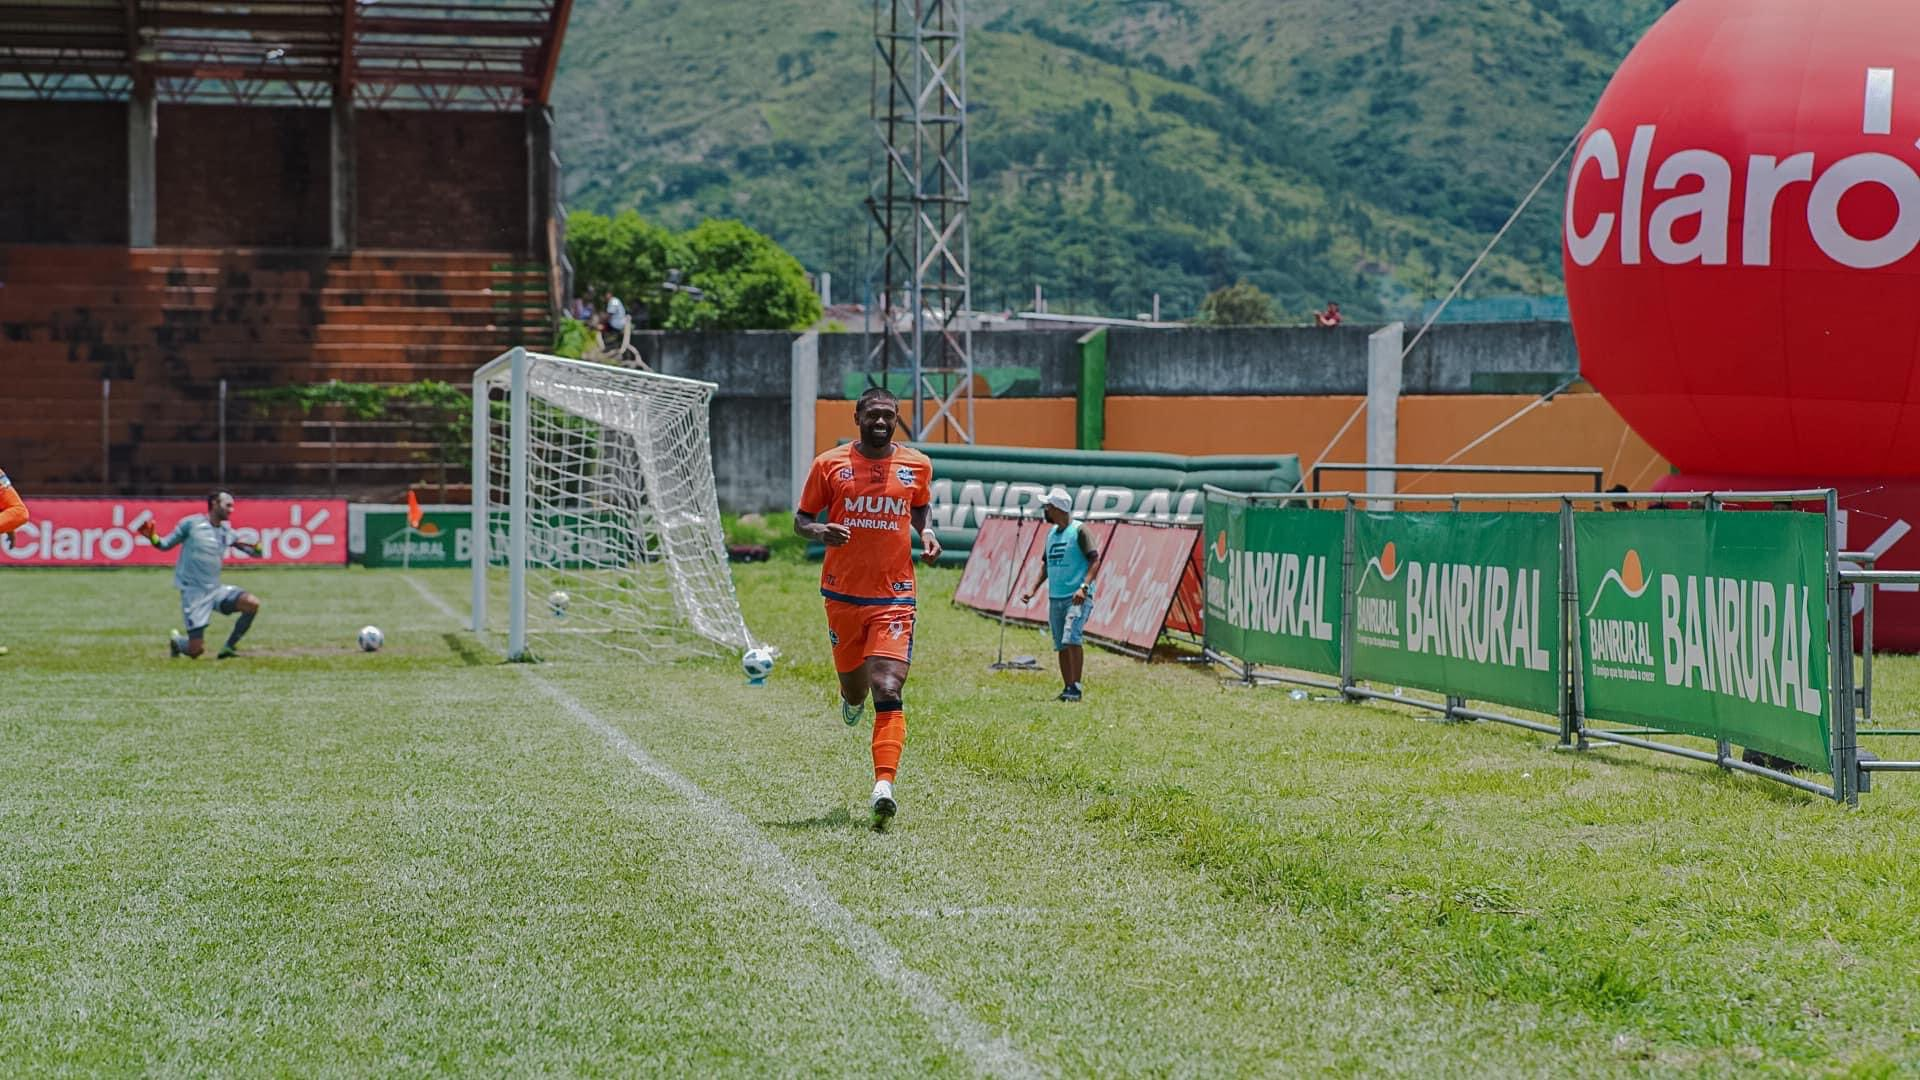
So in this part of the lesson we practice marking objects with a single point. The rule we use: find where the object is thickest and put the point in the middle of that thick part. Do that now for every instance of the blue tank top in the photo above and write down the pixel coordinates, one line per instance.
(1066, 563)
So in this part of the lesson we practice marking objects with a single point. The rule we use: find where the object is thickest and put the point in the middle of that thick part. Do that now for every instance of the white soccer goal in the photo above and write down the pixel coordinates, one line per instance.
(597, 482)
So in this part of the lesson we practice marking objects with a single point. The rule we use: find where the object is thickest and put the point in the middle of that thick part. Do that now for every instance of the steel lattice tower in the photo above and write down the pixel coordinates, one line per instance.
(919, 277)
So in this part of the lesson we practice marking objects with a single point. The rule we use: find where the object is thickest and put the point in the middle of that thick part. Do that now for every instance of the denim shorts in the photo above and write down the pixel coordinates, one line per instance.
(1066, 631)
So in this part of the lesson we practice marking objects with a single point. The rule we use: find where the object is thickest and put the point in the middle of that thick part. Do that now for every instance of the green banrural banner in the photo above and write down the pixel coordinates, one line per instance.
(445, 538)
(1273, 584)
(1708, 623)
(1462, 604)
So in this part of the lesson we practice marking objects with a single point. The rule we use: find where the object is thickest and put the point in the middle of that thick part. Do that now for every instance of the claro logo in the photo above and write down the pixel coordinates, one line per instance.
(1695, 224)
(45, 539)
(109, 533)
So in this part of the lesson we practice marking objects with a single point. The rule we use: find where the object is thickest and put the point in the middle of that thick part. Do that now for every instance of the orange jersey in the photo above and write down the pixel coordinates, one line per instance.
(874, 499)
(13, 512)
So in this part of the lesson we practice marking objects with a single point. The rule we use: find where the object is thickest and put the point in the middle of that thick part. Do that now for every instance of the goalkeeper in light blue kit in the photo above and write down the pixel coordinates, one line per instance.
(203, 540)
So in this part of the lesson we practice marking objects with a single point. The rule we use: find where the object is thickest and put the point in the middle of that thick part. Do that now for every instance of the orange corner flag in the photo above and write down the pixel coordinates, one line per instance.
(413, 511)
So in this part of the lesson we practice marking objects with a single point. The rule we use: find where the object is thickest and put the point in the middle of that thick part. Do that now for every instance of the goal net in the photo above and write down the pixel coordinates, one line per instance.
(595, 520)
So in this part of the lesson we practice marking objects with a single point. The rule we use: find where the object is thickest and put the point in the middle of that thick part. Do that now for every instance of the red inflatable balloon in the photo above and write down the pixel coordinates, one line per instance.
(1742, 238)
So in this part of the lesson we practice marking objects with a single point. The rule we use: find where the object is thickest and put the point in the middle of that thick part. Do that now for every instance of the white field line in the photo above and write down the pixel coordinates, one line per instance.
(991, 1054)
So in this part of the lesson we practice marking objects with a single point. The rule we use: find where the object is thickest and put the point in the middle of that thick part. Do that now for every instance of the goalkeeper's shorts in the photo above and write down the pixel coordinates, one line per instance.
(862, 630)
(198, 605)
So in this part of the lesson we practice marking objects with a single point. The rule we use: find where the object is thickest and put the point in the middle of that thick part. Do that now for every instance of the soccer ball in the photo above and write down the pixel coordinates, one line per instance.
(371, 639)
(557, 601)
(757, 662)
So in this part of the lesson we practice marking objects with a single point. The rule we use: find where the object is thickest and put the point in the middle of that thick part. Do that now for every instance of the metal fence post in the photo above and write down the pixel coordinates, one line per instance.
(1570, 653)
(1721, 745)
(1866, 652)
(1846, 748)
(1348, 586)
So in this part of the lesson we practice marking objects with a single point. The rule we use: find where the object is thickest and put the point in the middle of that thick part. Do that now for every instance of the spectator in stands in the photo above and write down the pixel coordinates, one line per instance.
(582, 307)
(1329, 317)
(616, 322)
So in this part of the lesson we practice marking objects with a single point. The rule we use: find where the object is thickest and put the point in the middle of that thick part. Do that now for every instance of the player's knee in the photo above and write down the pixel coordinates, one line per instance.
(887, 685)
(249, 604)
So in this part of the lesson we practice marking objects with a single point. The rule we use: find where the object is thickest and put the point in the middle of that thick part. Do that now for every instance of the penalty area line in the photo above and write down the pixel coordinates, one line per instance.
(991, 1054)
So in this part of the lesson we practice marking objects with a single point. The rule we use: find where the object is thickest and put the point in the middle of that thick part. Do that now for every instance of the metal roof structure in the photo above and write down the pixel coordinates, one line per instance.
(382, 54)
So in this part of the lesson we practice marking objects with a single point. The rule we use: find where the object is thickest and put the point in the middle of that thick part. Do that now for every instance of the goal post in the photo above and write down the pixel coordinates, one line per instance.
(595, 517)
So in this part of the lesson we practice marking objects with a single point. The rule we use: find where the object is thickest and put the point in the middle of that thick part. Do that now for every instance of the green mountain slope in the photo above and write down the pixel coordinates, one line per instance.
(1355, 150)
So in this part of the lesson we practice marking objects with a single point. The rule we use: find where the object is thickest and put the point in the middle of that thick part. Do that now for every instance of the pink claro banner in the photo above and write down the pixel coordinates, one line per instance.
(106, 532)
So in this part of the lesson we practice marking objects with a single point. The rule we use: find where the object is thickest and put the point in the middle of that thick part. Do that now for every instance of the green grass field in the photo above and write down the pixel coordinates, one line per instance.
(311, 861)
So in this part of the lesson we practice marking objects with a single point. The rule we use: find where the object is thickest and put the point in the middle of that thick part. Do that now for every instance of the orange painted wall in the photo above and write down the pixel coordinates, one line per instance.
(1572, 429)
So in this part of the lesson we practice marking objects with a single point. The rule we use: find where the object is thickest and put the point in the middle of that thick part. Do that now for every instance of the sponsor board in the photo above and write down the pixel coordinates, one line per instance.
(1460, 604)
(444, 538)
(1273, 584)
(1141, 567)
(1709, 623)
(105, 532)
(991, 578)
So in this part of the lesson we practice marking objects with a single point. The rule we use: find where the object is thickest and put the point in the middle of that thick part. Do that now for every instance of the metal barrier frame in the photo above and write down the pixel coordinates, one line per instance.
(1851, 771)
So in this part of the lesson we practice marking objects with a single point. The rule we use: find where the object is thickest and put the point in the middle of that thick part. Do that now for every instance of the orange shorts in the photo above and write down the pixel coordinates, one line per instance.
(862, 630)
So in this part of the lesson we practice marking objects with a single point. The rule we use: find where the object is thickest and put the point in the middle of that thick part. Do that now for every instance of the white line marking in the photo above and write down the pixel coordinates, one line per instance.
(989, 911)
(429, 596)
(1878, 117)
(990, 1053)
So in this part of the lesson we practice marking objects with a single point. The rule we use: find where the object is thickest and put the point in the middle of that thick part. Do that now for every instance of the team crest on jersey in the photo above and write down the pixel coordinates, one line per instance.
(846, 474)
(905, 475)
(899, 630)
(903, 586)
(833, 637)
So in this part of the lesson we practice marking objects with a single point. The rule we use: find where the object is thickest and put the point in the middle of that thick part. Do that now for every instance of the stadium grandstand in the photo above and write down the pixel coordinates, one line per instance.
(210, 209)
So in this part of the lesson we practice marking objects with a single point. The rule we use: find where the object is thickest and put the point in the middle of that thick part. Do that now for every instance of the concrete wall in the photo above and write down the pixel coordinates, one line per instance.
(750, 418)
(1312, 360)
(749, 424)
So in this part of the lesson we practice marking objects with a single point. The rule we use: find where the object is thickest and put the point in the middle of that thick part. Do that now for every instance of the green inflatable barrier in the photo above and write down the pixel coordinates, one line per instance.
(969, 482)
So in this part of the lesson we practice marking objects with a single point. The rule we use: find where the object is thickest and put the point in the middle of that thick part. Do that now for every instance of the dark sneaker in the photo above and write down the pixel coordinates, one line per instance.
(176, 645)
(1071, 693)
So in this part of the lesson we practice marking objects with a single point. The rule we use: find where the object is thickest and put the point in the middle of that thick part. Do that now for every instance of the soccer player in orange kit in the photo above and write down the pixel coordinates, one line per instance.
(867, 502)
(13, 512)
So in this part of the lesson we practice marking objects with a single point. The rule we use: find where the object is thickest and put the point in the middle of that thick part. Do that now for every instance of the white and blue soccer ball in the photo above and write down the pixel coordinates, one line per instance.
(557, 602)
(757, 662)
(371, 639)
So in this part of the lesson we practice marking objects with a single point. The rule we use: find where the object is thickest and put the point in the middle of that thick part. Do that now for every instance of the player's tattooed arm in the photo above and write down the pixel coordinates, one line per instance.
(823, 532)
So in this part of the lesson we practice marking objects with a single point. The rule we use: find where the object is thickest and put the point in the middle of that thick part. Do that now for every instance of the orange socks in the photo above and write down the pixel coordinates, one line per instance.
(889, 736)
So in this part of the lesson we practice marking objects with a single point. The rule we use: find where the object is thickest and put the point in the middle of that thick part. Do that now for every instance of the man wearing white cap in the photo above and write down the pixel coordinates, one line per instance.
(1072, 561)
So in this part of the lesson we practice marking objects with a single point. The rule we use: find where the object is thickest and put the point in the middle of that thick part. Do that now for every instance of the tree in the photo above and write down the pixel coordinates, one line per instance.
(1240, 304)
(626, 256)
(748, 281)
